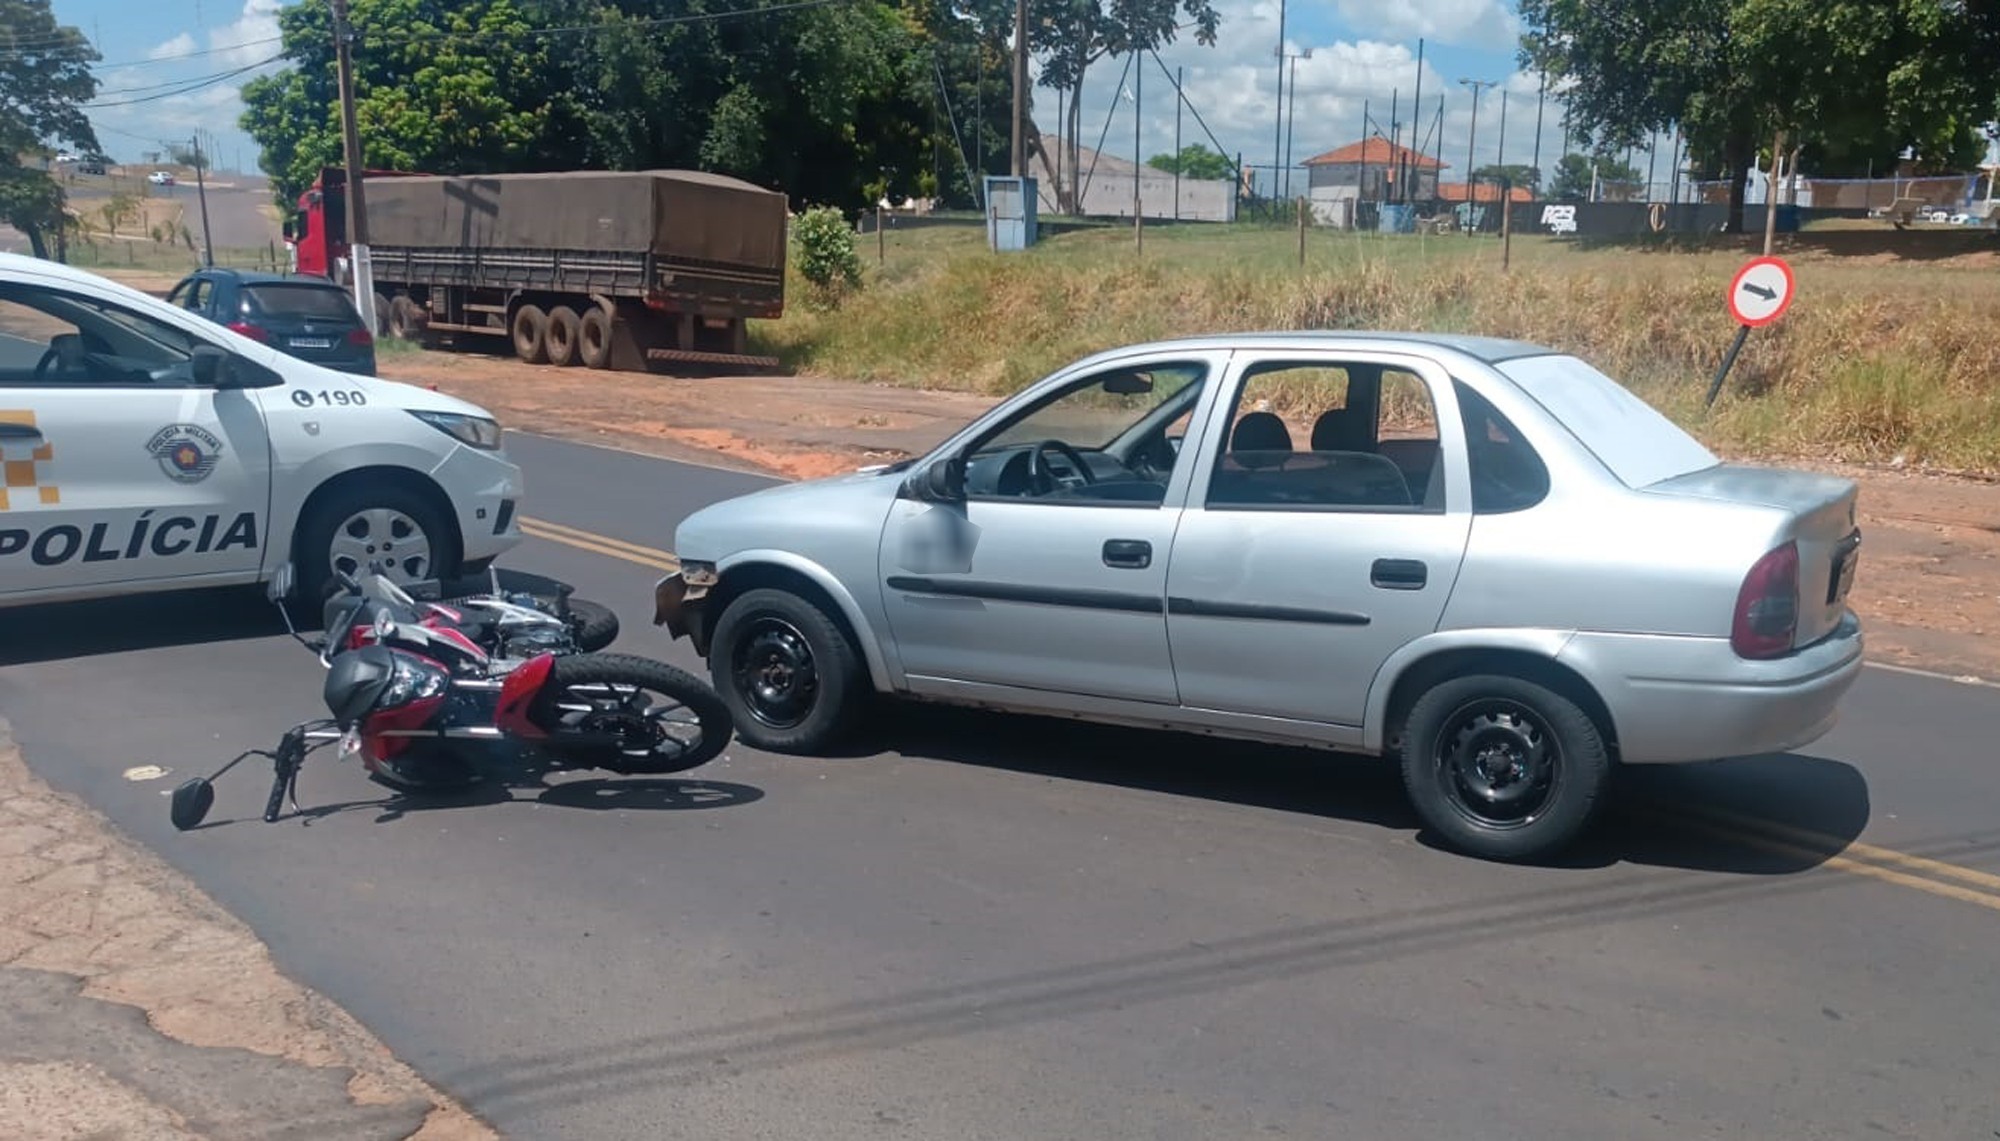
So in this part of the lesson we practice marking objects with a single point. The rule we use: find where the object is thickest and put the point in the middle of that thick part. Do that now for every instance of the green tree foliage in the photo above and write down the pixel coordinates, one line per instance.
(1513, 174)
(1866, 76)
(1194, 161)
(1072, 35)
(826, 256)
(439, 86)
(825, 103)
(45, 79)
(1573, 179)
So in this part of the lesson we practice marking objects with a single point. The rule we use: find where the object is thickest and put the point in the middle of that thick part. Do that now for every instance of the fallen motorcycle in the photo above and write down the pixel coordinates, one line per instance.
(409, 695)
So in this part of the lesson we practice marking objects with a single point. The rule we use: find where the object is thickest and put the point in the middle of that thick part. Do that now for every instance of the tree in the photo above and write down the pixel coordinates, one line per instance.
(45, 80)
(1513, 174)
(1194, 161)
(1577, 175)
(1733, 73)
(819, 102)
(1072, 35)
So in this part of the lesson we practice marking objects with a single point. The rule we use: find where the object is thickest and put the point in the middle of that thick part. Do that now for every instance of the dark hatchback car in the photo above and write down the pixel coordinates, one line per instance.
(306, 317)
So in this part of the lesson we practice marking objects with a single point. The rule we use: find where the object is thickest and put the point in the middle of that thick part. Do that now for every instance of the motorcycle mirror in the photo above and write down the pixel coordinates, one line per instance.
(282, 580)
(191, 803)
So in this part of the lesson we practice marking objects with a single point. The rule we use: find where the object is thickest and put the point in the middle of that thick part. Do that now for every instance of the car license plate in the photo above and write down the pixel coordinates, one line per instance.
(311, 343)
(1845, 558)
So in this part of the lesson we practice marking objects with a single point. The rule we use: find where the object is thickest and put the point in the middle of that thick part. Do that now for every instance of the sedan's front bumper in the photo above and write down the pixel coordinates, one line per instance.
(677, 605)
(1693, 699)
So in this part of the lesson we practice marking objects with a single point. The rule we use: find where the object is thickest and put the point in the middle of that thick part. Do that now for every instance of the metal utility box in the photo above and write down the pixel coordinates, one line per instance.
(1010, 212)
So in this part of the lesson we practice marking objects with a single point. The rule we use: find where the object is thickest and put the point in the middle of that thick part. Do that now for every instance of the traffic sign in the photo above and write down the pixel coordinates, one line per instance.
(1761, 292)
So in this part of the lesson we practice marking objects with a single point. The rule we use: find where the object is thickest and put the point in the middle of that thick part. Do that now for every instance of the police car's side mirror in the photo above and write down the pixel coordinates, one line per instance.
(210, 365)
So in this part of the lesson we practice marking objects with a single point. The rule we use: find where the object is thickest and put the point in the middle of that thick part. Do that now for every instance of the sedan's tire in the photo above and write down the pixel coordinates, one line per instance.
(1503, 768)
(561, 336)
(530, 328)
(367, 520)
(793, 681)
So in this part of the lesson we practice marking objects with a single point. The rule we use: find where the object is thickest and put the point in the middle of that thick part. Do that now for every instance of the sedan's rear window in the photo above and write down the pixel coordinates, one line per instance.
(1628, 435)
(300, 301)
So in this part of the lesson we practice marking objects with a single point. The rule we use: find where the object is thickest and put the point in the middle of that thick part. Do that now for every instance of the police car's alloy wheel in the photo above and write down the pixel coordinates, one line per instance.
(384, 536)
(362, 525)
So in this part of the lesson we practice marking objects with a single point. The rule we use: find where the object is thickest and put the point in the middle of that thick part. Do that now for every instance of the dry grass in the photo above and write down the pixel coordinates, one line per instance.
(1890, 351)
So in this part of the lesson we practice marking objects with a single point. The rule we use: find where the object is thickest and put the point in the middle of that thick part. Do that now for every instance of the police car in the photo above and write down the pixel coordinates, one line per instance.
(146, 449)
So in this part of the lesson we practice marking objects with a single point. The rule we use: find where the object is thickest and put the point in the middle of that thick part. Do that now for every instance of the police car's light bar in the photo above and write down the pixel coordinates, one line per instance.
(473, 431)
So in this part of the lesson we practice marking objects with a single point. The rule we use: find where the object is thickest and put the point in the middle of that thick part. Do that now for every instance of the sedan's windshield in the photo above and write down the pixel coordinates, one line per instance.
(1626, 434)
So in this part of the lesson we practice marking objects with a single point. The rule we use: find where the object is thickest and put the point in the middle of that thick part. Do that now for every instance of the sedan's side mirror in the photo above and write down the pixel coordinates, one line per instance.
(941, 482)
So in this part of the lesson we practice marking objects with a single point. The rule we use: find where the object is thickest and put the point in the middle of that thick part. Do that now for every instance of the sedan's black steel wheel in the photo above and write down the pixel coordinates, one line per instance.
(775, 673)
(793, 679)
(1498, 763)
(1503, 768)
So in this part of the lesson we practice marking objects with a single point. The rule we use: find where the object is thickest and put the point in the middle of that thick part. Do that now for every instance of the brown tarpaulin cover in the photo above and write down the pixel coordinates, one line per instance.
(679, 214)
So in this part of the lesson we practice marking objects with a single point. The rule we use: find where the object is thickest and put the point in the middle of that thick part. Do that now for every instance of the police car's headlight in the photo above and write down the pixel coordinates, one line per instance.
(473, 431)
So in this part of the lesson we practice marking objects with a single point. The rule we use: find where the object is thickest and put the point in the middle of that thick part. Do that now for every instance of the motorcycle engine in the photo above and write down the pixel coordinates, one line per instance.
(528, 643)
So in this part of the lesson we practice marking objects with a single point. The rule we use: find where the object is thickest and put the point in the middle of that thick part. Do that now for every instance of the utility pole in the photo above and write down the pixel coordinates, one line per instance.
(1471, 139)
(201, 191)
(1020, 160)
(1278, 126)
(1291, 110)
(357, 207)
(1541, 92)
(1180, 75)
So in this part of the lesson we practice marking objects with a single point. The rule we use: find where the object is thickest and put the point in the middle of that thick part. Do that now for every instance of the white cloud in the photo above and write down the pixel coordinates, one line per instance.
(178, 46)
(249, 39)
(1471, 23)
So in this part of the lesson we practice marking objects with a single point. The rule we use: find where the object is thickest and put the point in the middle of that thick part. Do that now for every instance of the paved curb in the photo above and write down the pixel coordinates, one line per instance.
(132, 1005)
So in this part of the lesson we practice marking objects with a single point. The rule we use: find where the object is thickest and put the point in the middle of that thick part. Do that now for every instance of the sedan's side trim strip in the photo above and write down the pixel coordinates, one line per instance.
(1037, 595)
(1201, 608)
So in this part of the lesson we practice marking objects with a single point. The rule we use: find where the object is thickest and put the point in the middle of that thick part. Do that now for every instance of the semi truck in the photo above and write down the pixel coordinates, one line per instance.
(625, 270)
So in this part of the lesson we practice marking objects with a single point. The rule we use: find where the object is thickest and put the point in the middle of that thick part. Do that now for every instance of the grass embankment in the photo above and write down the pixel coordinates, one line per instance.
(1891, 349)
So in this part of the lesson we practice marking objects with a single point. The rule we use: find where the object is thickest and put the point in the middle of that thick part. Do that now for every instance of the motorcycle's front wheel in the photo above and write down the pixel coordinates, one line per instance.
(661, 719)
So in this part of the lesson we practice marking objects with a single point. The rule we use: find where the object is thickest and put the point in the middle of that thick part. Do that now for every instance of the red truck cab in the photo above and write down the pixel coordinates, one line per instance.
(317, 232)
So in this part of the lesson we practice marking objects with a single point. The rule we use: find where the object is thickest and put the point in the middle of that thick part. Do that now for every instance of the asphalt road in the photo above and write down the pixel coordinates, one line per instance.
(999, 929)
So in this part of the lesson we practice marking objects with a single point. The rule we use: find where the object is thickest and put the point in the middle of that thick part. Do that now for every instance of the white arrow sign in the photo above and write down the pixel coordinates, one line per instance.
(1761, 291)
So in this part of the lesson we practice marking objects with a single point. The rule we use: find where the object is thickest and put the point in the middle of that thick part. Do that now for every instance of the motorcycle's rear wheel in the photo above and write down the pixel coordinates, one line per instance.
(667, 720)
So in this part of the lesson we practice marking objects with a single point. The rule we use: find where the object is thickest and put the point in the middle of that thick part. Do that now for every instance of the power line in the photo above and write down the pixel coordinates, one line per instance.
(189, 88)
(7, 52)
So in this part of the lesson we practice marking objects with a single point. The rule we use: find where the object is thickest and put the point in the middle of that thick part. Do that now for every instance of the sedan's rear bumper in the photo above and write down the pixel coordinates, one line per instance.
(1693, 699)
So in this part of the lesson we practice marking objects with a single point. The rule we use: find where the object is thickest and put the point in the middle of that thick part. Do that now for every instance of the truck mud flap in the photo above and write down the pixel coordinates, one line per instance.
(691, 356)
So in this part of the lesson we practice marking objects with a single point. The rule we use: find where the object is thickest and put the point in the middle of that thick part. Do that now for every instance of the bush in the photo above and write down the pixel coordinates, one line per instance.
(826, 257)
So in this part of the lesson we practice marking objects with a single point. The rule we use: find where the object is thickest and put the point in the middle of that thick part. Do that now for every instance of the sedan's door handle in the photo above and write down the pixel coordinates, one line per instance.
(1399, 574)
(19, 432)
(1136, 554)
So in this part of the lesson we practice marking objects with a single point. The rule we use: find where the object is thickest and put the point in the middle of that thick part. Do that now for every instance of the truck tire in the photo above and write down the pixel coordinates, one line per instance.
(559, 341)
(405, 318)
(593, 338)
(381, 317)
(531, 327)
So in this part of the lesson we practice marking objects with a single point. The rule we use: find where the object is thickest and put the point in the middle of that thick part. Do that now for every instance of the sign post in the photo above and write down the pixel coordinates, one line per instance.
(1759, 294)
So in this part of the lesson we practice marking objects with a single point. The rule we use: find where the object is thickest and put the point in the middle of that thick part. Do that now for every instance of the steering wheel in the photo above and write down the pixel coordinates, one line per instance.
(66, 350)
(1043, 480)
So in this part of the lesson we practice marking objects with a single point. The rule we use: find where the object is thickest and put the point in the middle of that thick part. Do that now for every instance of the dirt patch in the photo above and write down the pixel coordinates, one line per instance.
(80, 902)
(1928, 589)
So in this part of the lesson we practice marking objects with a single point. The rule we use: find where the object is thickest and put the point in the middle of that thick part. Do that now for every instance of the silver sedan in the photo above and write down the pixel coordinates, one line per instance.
(1483, 558)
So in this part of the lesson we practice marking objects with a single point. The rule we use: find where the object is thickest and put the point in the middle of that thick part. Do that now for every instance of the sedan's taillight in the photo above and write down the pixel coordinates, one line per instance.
(254, 332)
(360, 336)
(1767, 606)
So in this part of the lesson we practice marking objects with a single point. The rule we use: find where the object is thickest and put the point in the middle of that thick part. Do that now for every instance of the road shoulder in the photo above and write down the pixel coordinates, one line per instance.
(133, 1006)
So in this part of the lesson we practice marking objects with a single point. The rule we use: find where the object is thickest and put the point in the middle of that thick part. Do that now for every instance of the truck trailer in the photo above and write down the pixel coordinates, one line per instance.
(624, 270)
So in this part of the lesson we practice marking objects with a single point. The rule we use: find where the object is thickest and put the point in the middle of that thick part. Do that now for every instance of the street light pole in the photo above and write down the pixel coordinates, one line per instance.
(1291, 111)
(1019, 162)
(1278, 127)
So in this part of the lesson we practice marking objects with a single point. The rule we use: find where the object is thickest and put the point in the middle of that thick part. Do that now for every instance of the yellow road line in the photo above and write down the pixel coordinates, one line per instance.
(1820, 841)
(1756, 838)
(1850, 856)
(600, 544)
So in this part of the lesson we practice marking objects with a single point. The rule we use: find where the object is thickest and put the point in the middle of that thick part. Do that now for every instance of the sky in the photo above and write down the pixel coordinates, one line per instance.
(1362, 50)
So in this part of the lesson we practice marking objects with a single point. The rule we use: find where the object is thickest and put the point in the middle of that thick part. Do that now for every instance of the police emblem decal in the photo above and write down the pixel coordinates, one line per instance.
(187, 452)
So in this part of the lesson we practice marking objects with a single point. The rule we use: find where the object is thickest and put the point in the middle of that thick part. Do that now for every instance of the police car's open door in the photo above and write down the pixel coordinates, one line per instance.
(126, 457)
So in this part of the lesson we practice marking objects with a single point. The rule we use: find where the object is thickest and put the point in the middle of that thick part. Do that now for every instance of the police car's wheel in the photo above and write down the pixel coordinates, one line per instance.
(357, 527)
